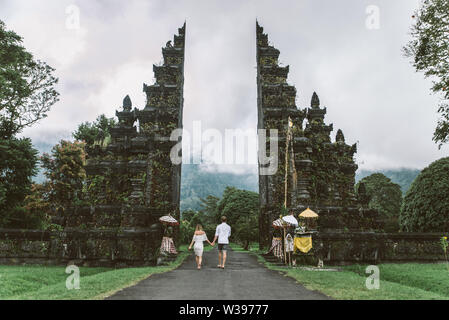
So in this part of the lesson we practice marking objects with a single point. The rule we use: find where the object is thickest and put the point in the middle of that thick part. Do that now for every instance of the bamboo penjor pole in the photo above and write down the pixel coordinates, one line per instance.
(287, 142)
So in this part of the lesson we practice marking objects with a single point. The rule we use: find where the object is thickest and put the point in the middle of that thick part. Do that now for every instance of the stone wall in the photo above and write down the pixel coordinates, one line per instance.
(83, 248)
(370, 247)
(134, 248)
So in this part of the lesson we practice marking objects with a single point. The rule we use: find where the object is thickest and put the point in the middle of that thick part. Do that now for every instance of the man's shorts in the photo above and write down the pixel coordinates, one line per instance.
(222, 247)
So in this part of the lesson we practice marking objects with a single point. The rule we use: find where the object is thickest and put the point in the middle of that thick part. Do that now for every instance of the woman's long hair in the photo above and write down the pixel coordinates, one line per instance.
(199, 227)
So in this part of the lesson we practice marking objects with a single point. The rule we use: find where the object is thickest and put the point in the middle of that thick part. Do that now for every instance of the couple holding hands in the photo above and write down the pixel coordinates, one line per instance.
(222, 233)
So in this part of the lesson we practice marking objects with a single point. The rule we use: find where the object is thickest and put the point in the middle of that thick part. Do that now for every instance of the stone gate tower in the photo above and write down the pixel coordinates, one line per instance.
(321, 173)
(132, 181)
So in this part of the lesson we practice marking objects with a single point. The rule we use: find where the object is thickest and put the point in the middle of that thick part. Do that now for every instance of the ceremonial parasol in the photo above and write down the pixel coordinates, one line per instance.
(308, 213)
(290, 219)
(278, 224)
(309, 217)
(169, 220)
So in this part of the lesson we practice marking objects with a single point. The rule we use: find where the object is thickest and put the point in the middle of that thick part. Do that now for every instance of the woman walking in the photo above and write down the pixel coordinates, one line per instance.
(198, 238)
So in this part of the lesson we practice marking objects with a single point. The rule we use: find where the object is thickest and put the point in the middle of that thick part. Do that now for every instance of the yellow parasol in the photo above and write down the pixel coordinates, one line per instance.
(308, 213)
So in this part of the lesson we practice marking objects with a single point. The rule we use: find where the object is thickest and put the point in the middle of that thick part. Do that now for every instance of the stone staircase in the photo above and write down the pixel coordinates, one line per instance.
(269, 257)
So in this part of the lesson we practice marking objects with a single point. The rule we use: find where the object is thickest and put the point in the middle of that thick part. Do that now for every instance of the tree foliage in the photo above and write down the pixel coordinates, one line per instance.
(26, 94)
(26, 85)
(36, 211)
(429, 50)
(64, 169)
(95, 132)
(190, 219)
(18, 160)
(385, 197)
(426, 204)
(209, 206)
(241, 207)
(206, 217)
(403, 176)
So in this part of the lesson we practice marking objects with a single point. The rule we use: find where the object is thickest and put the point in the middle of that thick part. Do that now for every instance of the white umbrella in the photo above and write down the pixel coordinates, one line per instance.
(169, 220)
(278, 224)
(290, 219)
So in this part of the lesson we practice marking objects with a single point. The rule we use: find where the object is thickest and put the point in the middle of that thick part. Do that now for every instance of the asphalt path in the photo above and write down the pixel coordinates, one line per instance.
(244, 278)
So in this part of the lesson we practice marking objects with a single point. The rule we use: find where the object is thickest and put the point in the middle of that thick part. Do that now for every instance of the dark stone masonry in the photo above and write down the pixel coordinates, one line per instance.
(321, 172)
(133, 181)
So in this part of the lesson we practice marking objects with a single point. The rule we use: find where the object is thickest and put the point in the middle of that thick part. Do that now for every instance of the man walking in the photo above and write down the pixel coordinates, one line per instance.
(222, 233)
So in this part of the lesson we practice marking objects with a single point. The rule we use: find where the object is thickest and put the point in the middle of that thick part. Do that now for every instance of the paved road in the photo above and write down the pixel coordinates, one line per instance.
(243, 279)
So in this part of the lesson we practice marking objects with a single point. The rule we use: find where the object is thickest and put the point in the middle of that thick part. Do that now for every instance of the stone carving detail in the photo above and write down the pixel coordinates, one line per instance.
(340, 137)
(127, 104)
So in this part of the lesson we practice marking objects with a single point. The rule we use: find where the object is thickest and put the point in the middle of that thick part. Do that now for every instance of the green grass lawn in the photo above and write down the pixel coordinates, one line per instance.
(48, 282)
(347, 284)
(398, 281)
(431, 277)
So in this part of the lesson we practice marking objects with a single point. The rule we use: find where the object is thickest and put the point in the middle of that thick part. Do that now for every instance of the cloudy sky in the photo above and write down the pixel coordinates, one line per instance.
(370, 90)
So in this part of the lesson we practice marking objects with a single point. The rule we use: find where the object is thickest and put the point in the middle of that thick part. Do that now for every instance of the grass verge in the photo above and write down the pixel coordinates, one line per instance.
(48, 282)
(406, 281)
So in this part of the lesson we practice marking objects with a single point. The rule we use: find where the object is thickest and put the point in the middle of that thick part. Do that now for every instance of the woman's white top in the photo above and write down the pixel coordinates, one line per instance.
(198, 246)
(198, 239)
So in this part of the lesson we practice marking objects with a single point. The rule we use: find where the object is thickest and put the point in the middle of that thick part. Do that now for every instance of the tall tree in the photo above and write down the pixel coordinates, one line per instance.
(36, 211)
(18, 160)
(209, 206)
(95, 132)
(64, 169)
(241, 207)
(26, 85)
(429, 50)
(385, 197)
(426, 203)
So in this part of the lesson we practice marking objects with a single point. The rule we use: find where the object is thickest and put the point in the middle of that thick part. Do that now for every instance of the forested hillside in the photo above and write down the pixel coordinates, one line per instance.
(197, 183)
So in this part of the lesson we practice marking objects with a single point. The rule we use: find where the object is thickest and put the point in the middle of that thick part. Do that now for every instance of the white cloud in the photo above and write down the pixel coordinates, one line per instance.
(371, 90)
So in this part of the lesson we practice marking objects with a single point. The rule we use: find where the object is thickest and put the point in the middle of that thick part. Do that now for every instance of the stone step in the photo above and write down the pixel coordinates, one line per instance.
(272, 259)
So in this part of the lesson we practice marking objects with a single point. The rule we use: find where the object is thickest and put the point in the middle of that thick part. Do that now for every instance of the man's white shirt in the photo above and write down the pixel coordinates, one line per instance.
(223, 232)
